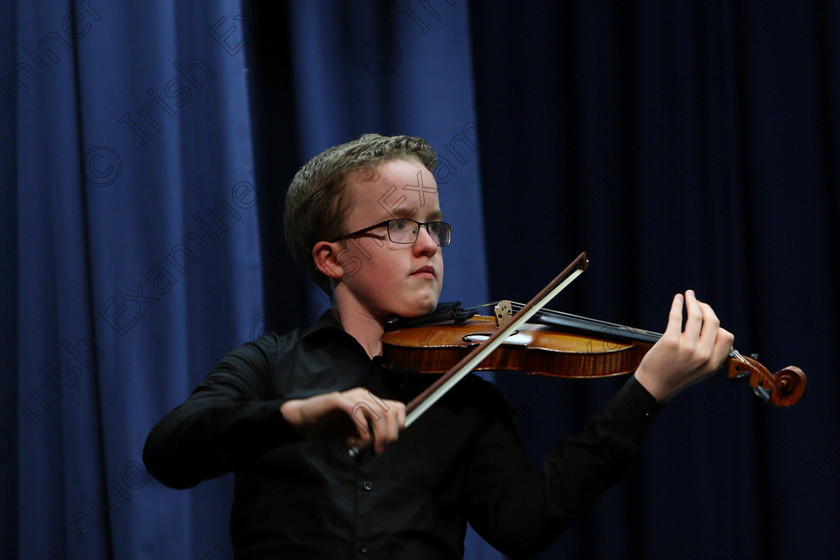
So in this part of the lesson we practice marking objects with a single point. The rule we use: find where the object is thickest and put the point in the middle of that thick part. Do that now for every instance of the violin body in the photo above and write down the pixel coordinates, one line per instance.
(543, 349)
(558, 345)
(534, 349)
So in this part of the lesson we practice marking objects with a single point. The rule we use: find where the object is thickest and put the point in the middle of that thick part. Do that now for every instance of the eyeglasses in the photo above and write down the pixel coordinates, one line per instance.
(403, 230)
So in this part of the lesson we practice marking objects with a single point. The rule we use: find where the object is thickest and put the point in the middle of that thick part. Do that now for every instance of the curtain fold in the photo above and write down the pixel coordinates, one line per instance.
(137, 262)
(369, 67)
(146, 149)
(682, 146)
(377, 67)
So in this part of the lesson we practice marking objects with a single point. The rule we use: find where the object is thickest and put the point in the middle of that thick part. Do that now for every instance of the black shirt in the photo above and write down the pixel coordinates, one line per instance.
(460, 462)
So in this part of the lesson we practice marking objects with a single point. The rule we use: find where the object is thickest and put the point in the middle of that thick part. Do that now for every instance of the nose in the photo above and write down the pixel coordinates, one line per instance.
(425, 244)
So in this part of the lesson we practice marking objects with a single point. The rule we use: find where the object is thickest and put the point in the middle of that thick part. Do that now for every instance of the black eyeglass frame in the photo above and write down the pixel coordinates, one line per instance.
(387, 224)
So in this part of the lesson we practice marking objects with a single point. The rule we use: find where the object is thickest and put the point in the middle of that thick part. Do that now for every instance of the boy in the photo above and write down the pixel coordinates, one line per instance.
(311, 421)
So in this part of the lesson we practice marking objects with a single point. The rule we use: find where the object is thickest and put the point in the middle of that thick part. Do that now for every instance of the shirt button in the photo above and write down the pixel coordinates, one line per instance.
(367, 485)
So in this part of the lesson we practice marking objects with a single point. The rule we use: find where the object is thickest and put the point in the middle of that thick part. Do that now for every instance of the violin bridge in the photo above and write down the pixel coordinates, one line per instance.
(503, 311)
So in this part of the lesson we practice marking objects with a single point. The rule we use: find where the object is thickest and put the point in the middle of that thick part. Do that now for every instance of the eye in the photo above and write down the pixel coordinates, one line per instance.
(401, 225)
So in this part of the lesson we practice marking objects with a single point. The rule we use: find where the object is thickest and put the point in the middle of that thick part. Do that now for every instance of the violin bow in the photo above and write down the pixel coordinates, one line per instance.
(444, 383)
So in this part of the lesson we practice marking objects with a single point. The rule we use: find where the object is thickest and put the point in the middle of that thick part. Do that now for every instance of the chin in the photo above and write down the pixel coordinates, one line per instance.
(420, 307)
(429, 308)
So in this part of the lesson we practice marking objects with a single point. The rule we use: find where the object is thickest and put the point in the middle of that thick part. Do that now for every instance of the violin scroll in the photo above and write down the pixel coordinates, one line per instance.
(557, 344)
(783, 388)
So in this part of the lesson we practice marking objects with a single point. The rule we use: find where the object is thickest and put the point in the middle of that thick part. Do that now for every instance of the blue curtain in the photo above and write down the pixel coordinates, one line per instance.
(682, 145)
(354, 68)
(130, 236)
(361, 68)
(145, 152)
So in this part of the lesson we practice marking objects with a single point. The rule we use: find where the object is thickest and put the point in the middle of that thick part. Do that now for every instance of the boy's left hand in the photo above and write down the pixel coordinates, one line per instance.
(682, 357)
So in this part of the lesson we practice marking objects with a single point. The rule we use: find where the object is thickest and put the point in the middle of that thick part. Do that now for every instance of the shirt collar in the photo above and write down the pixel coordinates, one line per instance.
(327, 325)
(327, 321)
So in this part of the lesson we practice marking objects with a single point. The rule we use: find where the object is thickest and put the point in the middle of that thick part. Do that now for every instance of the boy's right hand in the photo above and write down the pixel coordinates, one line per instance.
(356, 418)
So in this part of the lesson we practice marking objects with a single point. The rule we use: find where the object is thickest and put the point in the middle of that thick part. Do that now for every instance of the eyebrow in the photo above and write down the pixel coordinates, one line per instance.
(406, 212)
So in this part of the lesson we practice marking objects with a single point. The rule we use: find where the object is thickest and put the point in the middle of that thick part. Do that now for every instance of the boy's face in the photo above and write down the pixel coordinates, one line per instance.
(382, 277)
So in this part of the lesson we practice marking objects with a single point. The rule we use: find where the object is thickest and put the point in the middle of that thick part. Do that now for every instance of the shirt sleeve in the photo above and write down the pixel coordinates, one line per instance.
(228, 418)
(520, 512)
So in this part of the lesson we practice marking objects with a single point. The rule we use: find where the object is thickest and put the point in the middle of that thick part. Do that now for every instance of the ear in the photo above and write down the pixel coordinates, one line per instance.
(325, 255)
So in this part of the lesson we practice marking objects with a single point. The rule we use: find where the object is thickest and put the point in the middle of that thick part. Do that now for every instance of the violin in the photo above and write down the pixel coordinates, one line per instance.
(457, 341)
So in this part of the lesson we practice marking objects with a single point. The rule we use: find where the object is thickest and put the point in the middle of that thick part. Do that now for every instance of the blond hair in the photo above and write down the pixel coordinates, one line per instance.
(317, 201)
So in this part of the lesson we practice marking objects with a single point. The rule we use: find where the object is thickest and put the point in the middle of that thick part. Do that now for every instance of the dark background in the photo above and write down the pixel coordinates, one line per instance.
(682, 145)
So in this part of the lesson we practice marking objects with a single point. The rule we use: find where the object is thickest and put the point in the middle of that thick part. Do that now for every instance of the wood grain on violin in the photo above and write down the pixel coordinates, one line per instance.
(533, 348)
(553, 343)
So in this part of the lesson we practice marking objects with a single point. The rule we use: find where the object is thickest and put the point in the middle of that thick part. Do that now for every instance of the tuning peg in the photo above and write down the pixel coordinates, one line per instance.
(754, 356)
(743, 376)
(762, 393)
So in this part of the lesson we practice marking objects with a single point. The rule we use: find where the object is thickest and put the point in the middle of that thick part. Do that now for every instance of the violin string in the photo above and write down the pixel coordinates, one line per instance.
(733, 353)
(595, 322)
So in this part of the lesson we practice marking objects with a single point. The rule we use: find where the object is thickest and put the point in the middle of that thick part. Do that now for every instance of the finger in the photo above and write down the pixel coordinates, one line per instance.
(694, 318)
(387, 428)
(393, 423)
(389, 434)
(400, 407)
(350, 406)
(364, 420)
(710, 328)
(715, 341)
(382, 432)
(675, 316)
(398, 416)
(723, 346)
(377, 421)
(377, 434)
(370, 419)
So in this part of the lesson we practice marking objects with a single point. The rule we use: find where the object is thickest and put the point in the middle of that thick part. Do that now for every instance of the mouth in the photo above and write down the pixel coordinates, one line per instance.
(425, 272)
